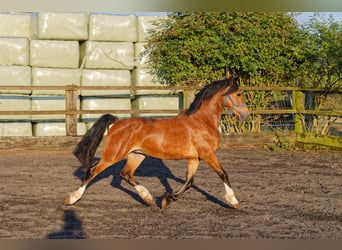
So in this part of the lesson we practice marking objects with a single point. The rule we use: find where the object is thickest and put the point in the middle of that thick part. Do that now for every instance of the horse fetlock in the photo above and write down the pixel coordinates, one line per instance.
(144, 194)
(230, 197)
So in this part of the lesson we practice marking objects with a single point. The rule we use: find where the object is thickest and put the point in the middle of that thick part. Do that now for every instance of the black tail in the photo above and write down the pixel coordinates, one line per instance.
(86, 148)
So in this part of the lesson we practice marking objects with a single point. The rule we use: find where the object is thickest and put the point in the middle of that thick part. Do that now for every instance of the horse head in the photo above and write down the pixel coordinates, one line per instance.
(234, 101)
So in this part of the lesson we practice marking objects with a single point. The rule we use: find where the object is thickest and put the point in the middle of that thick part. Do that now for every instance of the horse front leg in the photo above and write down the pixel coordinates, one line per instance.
(191, 171)
(213, 162)
(230, 195)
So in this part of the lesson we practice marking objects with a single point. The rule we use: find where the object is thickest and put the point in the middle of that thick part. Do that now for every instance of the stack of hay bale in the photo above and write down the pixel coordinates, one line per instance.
(15, 32)
(150, 99)
(54, 60)
(59, 49)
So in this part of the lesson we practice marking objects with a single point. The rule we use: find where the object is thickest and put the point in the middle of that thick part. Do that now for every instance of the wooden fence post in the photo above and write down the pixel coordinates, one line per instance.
(189, 97)
(71, 110)
(298, 98)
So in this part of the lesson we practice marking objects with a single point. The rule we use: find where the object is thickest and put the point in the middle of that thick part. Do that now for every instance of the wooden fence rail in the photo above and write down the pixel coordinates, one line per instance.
(72, 92)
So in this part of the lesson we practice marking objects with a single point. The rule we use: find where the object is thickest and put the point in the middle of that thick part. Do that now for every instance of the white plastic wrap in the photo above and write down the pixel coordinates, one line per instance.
(14, 51)
(17, 25)
(142, 77)
(107, 55)
(15, 76)
(145, 23)
(105, 78)
(48, 103)
(15, 129)
(105, 27)
(15, 103)
(99, 103)
(54, 54)
(140, 59)
(54, 77)
(156, 103)
(55, 129)
(63, 26)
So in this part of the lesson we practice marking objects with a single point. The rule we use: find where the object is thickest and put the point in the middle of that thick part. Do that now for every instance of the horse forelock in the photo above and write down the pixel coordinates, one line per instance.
(207, 93)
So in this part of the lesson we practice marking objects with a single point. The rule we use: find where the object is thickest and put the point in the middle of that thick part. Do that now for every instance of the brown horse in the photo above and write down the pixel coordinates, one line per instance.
(192, 135)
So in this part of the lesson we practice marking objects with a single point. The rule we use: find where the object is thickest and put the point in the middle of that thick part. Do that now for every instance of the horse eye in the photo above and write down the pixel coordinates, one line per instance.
(238, 94)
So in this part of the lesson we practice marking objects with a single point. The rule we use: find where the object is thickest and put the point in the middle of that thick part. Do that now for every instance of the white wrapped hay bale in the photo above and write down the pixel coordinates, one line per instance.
(49, 103)
(15, 129)
(106, 27)
(105, 78)
(143, 77)
(54, 54)
(15, 103)
(54, 77)
(145, 24)
(17, 25)
(107, 55)
(62, 26)
(102, 103)
(156, 102)
(14, 51)
(141, 59)
(15, 76)
(55, 129)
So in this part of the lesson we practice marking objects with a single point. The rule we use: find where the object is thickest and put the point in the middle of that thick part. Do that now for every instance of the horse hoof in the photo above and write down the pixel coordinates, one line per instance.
(164, 202)
(72, 198)
(236, 206)
(149, 202)
(68, 201)
(168, 198)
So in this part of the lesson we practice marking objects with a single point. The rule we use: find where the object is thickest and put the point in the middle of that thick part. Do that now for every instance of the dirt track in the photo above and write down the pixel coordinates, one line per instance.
(287, 194)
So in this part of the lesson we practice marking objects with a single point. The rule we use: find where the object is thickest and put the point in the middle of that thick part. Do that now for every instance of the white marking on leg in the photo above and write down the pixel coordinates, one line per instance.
(144, 193)
(230, 196)
(76, 195)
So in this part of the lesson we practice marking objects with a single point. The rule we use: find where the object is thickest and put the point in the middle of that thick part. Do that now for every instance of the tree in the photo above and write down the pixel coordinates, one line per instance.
(194, 48)
(322, 51)
(322, 68)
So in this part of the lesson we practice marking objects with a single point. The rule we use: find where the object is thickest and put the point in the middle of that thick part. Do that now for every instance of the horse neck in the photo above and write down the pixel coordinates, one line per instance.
(210, 112)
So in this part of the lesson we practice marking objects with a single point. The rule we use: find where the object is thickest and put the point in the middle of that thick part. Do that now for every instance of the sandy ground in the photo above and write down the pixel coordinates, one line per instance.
(287, 194)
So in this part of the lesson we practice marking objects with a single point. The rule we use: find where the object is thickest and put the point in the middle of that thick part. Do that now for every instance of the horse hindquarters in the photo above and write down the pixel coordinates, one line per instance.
(118, 145)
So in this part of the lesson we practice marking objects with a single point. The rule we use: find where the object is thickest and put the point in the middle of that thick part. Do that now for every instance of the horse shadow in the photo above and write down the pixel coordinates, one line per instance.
(150, 167)
(72, 228)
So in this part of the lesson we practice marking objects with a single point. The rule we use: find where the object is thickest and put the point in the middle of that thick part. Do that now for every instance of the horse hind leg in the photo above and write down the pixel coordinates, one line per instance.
(92, 172)
(133, 162)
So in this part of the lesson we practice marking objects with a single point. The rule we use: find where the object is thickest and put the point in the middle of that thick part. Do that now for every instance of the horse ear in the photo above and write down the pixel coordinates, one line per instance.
(237, 81)
(231, 81)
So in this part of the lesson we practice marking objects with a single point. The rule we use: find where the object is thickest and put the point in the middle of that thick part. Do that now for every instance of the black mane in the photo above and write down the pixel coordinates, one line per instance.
(207, 93)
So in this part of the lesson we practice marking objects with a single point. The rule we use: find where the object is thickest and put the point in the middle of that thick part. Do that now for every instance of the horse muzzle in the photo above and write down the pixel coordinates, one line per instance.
(243, 114)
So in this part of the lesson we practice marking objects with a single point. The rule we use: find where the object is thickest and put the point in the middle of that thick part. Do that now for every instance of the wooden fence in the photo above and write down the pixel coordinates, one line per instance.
(72, 92)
